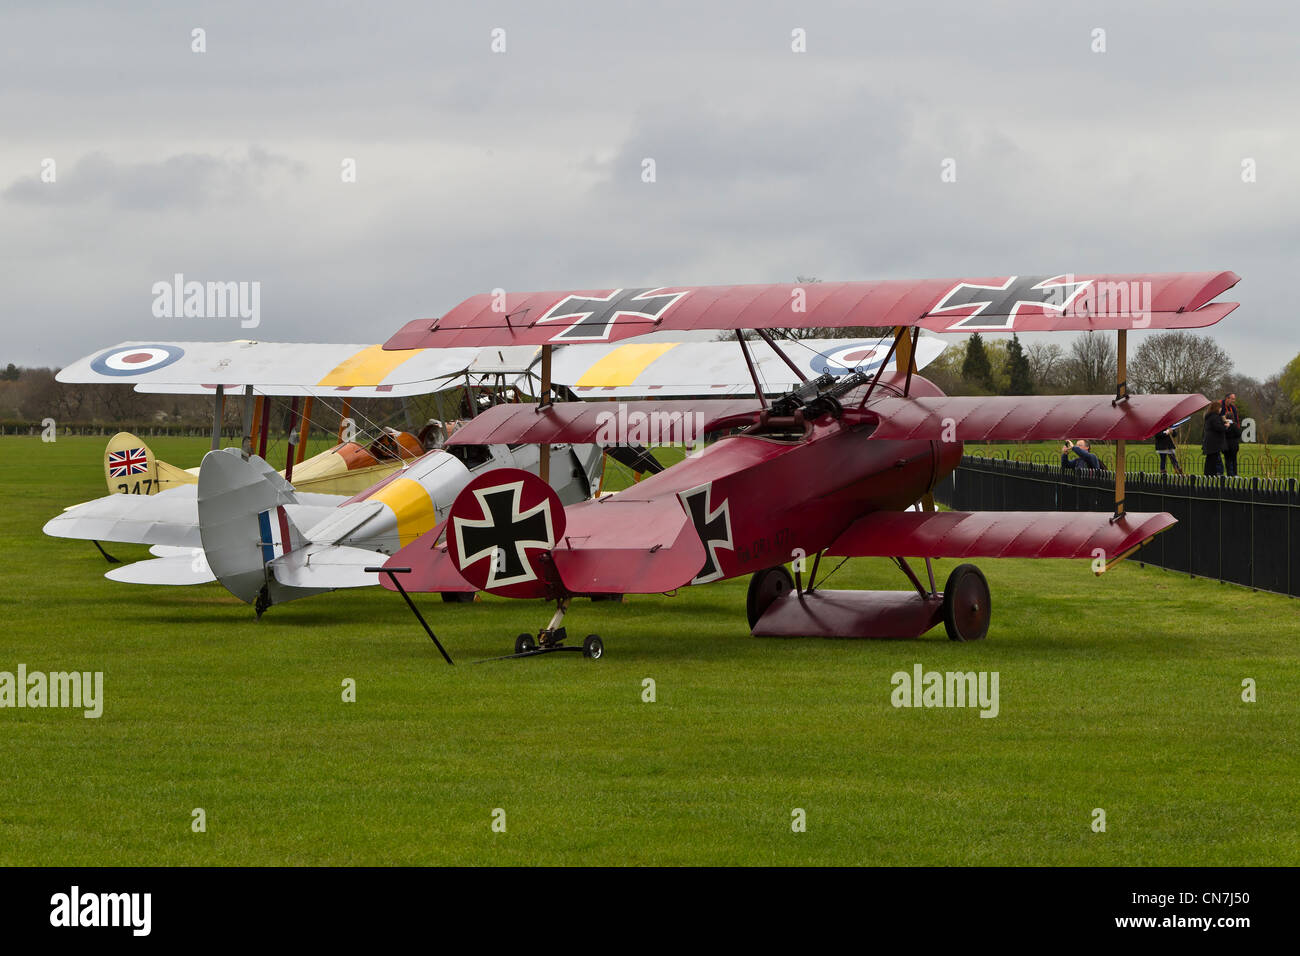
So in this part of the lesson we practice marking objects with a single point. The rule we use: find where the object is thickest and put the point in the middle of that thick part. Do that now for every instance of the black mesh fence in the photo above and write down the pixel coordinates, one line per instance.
(1255, 460)
(1242, 530)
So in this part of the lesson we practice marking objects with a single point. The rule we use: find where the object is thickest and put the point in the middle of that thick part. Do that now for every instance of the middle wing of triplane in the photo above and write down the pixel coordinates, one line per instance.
(955, 419)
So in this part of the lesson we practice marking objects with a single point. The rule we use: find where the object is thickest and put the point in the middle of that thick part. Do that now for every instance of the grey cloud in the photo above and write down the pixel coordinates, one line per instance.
(522, 170)
(186, 181)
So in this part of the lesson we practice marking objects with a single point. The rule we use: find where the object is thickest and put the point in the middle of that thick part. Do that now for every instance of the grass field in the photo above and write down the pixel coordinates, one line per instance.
(1121, 693)
(1253, 460)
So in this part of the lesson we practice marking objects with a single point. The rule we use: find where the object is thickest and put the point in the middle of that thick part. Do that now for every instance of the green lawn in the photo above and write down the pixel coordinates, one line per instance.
(1253, 460)
(1121, 692)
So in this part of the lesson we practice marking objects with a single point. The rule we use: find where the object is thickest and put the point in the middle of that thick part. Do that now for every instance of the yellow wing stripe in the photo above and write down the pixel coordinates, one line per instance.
(411, 505)
(624, 364)
(370, 366)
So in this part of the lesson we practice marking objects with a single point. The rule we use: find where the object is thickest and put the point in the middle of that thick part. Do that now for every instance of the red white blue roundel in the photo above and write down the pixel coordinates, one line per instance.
(136, 359)
(858, 357)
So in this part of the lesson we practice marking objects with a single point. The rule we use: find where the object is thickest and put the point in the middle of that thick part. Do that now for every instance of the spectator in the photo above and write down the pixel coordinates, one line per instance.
(1215, 439)
(1232, 439)
(1167, 451)
(1085, 460)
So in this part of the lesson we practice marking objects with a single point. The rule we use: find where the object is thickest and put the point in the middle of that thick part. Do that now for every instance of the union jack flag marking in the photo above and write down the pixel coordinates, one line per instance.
(132, 461)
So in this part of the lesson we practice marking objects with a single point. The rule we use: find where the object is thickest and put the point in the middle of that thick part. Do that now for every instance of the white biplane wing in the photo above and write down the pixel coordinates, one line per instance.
(622, 370)
(272, 368)
(647, 368)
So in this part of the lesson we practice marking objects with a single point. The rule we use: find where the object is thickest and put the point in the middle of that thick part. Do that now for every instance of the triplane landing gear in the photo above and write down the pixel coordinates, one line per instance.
(551, 638)
(966, 605)
(778, 605)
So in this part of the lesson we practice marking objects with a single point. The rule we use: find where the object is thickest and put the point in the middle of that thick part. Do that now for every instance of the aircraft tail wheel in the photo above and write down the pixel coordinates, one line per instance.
(966, 604)
(764, 588)
(525, 643)
(593, 647)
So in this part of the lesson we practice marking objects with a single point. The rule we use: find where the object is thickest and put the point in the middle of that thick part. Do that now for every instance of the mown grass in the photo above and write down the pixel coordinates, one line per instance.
(1254, 460)
(1121, 693)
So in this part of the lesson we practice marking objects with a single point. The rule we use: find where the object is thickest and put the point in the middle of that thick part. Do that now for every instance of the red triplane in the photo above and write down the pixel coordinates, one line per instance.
(827, 470)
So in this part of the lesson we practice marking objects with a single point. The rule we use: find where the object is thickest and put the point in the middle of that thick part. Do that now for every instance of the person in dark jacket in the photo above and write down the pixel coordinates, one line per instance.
(1232, 439)
(1215, 440)
(1167, 451)
(1086, 459)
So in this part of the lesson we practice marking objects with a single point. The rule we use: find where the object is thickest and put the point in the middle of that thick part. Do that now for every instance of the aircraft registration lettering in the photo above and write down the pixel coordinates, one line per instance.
(765, 545)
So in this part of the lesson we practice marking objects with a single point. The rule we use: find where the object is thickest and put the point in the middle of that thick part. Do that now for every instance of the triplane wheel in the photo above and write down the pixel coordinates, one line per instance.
(525, 643)
(764, 588)
(593, 647)
(457, 597)
(966, 604)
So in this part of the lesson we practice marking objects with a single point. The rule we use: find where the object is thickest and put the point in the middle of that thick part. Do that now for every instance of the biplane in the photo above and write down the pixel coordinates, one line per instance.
(270, 537)
(832, 468)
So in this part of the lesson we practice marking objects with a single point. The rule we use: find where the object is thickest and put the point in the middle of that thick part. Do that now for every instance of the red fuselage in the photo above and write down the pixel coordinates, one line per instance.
(784, 495)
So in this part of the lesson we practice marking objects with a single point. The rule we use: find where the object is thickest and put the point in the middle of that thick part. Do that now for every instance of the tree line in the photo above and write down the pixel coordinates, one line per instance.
(1178, 362)
(1165, 362)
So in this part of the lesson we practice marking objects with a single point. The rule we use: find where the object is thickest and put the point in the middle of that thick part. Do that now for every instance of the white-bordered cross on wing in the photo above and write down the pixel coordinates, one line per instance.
(1002, 302)
(594, 316)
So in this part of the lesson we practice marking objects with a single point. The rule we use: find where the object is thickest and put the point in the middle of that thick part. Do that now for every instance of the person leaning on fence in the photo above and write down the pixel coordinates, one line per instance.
(1232, 439)
(1215, 440)
(1167, 451)
(1085, 460)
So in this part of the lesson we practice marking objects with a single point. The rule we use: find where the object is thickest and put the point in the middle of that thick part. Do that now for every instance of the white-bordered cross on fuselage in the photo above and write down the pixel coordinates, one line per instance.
(503, 533)
(713, 527)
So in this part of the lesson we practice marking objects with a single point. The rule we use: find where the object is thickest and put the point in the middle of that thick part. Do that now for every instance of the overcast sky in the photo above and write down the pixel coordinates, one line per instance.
(523, 169)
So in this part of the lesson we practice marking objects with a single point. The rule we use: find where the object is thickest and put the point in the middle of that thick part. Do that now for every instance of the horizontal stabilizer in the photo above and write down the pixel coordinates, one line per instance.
(1030, 417)
(996, 534)
(328, 566)
(178, 569)
(609, 546)
(432, 568)
(616, 546)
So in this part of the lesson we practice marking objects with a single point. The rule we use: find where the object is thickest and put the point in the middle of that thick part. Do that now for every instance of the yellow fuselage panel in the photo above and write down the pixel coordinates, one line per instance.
(411, 505)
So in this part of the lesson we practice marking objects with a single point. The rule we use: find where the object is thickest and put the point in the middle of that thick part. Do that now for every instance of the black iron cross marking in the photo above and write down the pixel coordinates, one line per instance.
(1001, 302)
(713, 527)
(594, 317)
(503, 533)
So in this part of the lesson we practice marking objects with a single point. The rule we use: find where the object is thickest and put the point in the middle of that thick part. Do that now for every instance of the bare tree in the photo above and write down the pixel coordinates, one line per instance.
(1090, 368)
(1178, 362)
(1047, 365)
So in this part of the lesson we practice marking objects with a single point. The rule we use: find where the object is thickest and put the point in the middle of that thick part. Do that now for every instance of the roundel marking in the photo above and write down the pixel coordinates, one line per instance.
(136, 359)
(860, 356)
